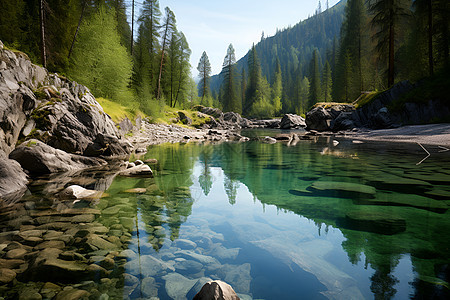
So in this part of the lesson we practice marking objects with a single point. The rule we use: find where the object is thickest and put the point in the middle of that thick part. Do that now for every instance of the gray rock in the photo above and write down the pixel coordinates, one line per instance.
(184, 119)
(138, 171)
(29, 293)
(216, 290)
(13, 180)
(237, 275)
(290, 121)
(344, 121)
(39, 158)
(177, 286)
(318, 119)
(72, 294)
(184, 244)
(7, 275)
(203, 259)
(78, 192)
(197, 287)
(149, 287)
(269, 140)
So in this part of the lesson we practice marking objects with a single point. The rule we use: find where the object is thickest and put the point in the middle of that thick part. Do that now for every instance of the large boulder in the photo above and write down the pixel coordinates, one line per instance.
(13, 180)
(60, 112)
(216, 290)
(318, 119)
(38, 158)
(290, 121)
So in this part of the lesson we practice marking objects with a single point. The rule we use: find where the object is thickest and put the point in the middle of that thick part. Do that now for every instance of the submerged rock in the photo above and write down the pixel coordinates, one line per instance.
(216, 290)
(343, 189)
(381, 223)
(177, 286)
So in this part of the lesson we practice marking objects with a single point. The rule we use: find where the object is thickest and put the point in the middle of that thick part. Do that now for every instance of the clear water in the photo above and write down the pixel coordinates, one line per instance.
(311, 221)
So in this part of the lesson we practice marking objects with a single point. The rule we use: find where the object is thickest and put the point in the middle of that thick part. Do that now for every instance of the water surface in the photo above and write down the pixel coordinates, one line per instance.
(311, 221)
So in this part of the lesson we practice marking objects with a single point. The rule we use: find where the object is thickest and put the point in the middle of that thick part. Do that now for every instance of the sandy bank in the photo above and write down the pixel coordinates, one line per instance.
(432, 134)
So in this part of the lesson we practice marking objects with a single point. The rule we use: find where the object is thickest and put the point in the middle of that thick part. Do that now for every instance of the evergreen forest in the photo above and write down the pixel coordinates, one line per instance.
(336, 55)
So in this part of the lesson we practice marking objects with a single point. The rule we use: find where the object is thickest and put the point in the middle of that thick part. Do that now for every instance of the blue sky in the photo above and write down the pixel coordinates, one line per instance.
(211, 25)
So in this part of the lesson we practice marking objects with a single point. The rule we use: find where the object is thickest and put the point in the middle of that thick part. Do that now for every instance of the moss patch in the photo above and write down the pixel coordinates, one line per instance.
(171, 116)
(365, 99)
(117, 111)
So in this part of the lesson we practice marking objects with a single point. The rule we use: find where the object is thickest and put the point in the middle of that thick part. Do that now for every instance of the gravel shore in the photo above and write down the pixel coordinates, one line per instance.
(431, 134)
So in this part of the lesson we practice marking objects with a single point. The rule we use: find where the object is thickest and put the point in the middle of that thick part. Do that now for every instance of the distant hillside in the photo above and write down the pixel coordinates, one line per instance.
(294, 46)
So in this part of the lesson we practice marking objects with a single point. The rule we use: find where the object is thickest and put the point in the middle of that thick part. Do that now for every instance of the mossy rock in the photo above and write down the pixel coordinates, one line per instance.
(409, 200)
(343, 189)
(375, 222)
(439, 194)
(435, 178)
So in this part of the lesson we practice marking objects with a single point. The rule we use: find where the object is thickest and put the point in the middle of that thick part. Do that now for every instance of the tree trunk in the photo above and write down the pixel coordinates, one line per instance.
(78, 28)
(430, 37)
(132, 27)
(42, 21)
(391, 49)
(162, 58)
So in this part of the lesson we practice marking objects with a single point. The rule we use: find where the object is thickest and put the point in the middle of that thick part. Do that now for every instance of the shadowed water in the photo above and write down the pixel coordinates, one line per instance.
(311, 221)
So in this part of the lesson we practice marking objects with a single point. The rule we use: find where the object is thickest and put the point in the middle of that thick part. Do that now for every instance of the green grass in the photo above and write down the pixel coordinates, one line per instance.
(171, 116)
(117, 111)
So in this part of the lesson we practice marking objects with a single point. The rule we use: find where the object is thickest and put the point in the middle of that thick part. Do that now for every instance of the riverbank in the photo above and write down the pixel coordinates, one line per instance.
(430, 134)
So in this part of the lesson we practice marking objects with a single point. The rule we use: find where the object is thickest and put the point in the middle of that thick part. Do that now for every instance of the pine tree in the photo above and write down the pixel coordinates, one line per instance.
(183, 70)
(230, 99)
(204, 69)
(277, 88)
(254, 80)
(168, 29)
(327, 82)
(387, 18)
(314, 79)
(146, 49)
(353, 41)
(243, 86)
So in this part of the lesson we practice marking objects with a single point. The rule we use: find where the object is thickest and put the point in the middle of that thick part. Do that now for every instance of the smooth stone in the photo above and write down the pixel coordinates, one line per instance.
(100, 243)
(381, 223)
(83, 219)
(113, 210)
(137, 171)
(149, 287)
(78, 192)
(203, 259)
(177, 286)
(188, 266)
(237, 275)
(29, 293)
(51, 244)
(184, 244)
(16, 253)
(410, 200)
(136, 191)
(73, 294)
(197, 287)
(49, 290)
(10, 263)
(128, 254)
(223, 253)
(7, 275)
(217, 290)
(153, 266)
(107, 263)
(130, 280)
(343, 188)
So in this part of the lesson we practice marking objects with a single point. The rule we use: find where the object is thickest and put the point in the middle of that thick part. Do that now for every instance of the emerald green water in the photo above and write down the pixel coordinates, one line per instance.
(251, 209)
(311, 221)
